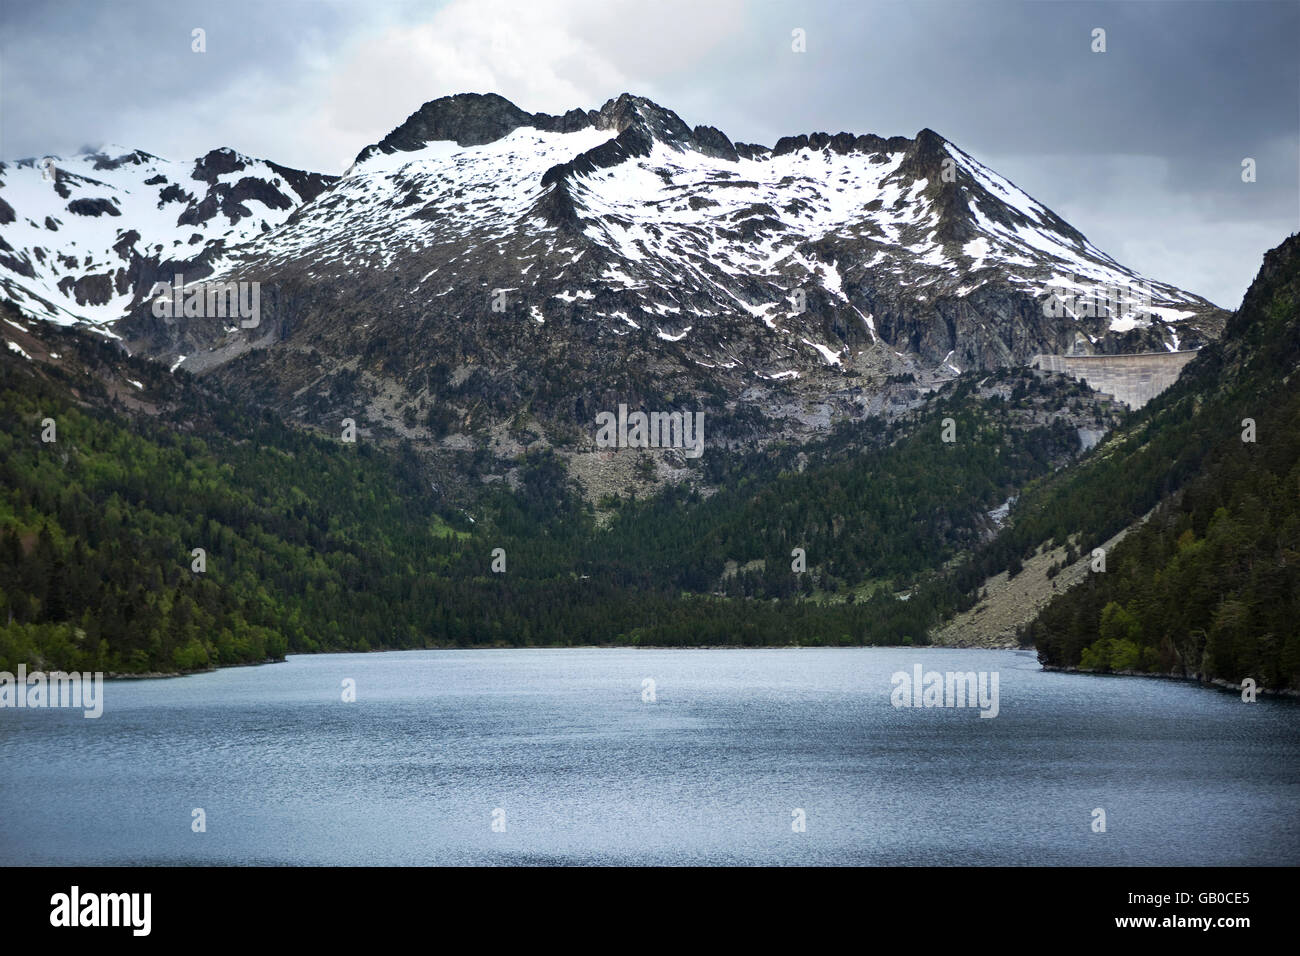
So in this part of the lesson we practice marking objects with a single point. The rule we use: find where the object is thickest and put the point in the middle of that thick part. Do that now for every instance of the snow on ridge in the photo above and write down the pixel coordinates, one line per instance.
(1000, 187)
(674, 219)
(101, 208)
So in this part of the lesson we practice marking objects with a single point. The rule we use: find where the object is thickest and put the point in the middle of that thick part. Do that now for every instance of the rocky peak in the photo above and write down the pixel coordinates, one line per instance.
(113, 157)
(628, 110)
(467, 119)
(925, 155)
(217, 162)
(474, 119)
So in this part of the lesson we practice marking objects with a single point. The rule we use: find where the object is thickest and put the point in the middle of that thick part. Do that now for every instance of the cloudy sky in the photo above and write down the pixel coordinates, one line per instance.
(1140, 147)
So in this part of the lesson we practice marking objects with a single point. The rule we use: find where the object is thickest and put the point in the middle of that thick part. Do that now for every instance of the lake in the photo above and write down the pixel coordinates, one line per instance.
(573, 756)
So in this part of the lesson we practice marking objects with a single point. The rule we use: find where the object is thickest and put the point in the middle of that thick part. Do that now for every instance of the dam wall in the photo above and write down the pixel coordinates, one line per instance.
(1132, 379)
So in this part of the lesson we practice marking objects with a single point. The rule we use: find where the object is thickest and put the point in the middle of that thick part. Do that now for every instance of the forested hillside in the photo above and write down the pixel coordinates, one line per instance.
(871, 502)
(1210, 585)
(303, 538)
(310, 543)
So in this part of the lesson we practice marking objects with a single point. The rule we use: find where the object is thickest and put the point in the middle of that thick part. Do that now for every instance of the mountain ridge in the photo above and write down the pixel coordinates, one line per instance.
(484, 274)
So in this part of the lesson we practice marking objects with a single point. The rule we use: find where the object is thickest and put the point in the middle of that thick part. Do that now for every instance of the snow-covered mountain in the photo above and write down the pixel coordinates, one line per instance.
(688, 226)
(82, 239)
(482, 259)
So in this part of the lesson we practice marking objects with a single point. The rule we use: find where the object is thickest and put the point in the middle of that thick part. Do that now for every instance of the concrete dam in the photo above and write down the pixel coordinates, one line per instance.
(1131, 379)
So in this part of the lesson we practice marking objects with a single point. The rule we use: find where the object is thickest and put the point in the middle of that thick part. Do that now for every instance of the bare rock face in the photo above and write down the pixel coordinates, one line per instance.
(467, 119)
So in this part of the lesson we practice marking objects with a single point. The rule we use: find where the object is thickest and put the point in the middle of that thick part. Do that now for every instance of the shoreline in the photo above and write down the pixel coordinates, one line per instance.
(1217, 683)
(160, 675)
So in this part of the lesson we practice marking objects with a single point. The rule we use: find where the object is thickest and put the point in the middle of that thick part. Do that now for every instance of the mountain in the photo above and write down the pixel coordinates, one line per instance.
(317, 544)
(485, 277)
(84, 239)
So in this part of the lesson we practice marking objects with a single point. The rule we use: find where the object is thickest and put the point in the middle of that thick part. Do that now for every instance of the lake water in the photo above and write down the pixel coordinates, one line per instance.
(584, 770)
